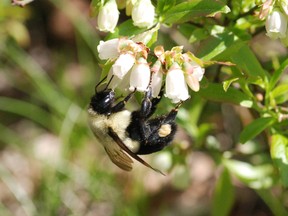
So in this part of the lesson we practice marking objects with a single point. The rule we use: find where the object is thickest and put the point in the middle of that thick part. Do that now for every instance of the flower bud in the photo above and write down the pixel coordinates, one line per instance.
(108, 49)
(140, 75)
(276, 25)
(176, 87)
(157, 76)
(123, 64)
(108, 16)
(143, 13)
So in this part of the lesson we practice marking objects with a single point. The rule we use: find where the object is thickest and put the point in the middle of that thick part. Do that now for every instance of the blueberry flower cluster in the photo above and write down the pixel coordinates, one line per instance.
(142, 13)
(277, 20)
(130, 70)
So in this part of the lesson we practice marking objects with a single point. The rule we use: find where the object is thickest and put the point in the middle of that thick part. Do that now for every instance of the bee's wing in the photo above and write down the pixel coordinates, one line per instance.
(119, 158)
(120, 143)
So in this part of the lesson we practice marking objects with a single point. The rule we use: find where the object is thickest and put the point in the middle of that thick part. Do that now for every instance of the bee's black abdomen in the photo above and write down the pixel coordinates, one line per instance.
(147, 132)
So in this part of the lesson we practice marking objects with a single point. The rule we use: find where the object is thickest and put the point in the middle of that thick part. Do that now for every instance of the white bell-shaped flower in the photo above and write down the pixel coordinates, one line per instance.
(108, 16)
(140, 75)
(276, 25)
(123, 64)
(156, 80)
(176, 87)
(143, 13)
(108, 49)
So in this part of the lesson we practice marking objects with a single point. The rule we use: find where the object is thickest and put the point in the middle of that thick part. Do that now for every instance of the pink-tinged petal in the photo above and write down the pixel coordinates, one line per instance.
(192, 82)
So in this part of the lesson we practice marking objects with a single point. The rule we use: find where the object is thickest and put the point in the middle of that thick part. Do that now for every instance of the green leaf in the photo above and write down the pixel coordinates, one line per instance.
(277, 74)
(280, 94)
(256, 127)
(29, 111)
(227, 83)
(215, 92)
(94, 7)
(153, 39)
(221, 44)
(223, 197)
(125, 29)
(187, 29)
(257, 177)
(164, 5)
(274, 203)
(279, 154)
(38, 78)
(198, 34)
(186, 11)
(246, 60)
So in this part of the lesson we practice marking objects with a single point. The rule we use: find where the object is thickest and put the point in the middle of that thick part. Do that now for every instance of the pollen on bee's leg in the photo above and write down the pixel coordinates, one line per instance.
(164, 130)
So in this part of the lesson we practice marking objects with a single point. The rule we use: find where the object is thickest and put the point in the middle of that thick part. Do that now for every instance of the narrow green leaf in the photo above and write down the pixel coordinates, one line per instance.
(9, 137)
(29, 111)
(227, 83)
(277, 74)
(221, 44)
(164, 5)
(280, 93)
(198, 34)
(246, 60)
(274, 203)
(38, 78)
(187, 29)
(224, 196)
(125, 29)
(185, 11)
(94, 7)
(215, 92)
(255, 128)
(279, 154)
(153, 39)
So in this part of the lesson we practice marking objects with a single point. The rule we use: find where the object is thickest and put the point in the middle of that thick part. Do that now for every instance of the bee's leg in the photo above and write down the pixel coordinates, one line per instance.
(121, 104)
(138, 128)
(159, 132)
(172, 114)
(149, 104)
(148, 107)
(146, 104)
(155, 101)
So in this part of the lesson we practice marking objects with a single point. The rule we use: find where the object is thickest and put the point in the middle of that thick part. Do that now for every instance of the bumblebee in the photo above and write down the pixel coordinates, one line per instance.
(126, 134)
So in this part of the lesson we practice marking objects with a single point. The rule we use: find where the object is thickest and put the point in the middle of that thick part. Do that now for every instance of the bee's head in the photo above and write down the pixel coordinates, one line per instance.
(102, 101)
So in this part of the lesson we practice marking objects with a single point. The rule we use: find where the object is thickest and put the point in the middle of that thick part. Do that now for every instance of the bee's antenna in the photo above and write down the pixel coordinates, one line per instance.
(101, 81)
(109, 82)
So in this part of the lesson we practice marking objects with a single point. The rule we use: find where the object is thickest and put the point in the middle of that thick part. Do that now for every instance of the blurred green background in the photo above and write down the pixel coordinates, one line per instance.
(50, 163)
